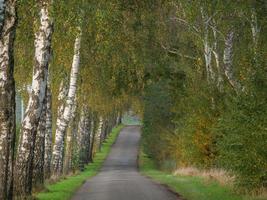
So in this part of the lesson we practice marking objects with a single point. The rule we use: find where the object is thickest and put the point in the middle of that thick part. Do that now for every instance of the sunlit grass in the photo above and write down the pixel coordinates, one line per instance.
(65, 188)
(189, 187)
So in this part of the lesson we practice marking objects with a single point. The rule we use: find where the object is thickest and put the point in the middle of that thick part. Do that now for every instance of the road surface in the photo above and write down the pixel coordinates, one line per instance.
(119, 178)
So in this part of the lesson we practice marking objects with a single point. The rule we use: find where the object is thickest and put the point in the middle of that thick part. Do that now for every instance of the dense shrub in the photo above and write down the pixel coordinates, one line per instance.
(243, 140)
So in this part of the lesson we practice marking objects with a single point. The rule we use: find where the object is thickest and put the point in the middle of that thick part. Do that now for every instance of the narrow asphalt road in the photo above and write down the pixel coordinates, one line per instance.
(119, 178)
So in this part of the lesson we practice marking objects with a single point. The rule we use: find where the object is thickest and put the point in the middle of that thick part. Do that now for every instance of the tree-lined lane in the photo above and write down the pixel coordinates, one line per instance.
(119, 178)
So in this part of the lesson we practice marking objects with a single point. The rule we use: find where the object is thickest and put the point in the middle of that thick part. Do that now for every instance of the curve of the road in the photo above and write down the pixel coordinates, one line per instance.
(119, 178)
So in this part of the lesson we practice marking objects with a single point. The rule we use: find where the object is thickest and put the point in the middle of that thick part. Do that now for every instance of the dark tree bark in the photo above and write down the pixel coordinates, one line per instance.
(48, 134)
(8, 23)
(39, 151)
(84, 135)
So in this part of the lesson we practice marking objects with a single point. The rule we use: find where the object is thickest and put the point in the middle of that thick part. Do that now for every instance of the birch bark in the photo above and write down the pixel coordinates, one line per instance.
(255, 29)
(228, 62)
(24, 159)
(48, 134)
(8, 21)
(207, 48)
(217, 59)
(71, 138)
(64, 119)
(99, 133)
(92, 138)
(84, 138)
(39, 150)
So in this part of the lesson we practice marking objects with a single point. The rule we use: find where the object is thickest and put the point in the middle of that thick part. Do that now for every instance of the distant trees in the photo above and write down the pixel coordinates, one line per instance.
(209, 84)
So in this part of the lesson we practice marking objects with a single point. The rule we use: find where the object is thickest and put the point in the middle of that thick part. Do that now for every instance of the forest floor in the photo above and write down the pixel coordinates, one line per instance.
(65, 188)
(189, 187)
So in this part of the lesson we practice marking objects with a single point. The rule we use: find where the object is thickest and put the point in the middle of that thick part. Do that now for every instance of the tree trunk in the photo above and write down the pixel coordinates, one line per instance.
(92, 138)
(84, 138)
(119, 119)
(64, 119)
(207, 56)
(7, 95)
(24, 159)
(99, 133)
(39, 151)
(207, 48)
(103, 133)
(255, 29)
(70, 142)
(217, 58)
(48, 134)
(87, 139)
(228, 62)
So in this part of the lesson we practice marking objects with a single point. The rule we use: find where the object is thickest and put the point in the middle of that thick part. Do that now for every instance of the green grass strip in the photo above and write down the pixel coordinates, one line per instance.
(189, 187)
(64, 189)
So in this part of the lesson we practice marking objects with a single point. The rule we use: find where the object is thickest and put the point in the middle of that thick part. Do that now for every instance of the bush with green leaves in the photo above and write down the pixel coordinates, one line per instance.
(242, 140)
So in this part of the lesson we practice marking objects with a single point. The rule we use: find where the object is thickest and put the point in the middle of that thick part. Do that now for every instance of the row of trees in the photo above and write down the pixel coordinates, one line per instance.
(196, 69)
(78, 53)
(205, 95)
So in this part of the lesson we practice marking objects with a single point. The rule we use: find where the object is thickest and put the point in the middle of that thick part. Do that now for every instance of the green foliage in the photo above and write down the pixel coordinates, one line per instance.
(149, 55)
(191, 119)
(243, 140)
(157, 114)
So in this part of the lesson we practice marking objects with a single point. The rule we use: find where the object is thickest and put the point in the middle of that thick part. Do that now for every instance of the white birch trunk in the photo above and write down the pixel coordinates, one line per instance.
(228, 62)
(84, 138)
(255, 29)
(87, 138)
(24, 160)
(92, 138)
(39, 151)
(22, 109)
(48, 134)
(70, 137)
(7, 96)
(207, 48)
(207, 56)
(63, 92)
(217, 59)
(63, 120)
(99, 133)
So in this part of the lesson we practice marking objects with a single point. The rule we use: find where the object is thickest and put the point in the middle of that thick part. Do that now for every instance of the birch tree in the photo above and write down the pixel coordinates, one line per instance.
(83, 136)
(70, 140)
(228, 62)
(8, 20)
(25, 155)
(39, 150)
(63, 120)
(99, 133)
(92, 137)
(48, 133)
(43, 143)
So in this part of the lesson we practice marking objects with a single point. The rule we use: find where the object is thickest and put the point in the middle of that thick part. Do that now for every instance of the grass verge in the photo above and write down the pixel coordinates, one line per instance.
(64, 189)
(189, 187)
